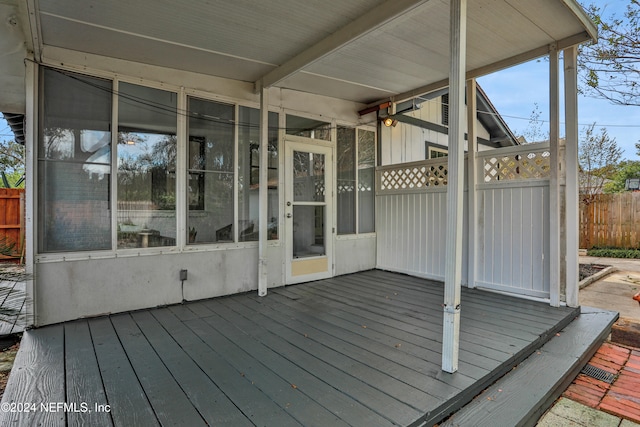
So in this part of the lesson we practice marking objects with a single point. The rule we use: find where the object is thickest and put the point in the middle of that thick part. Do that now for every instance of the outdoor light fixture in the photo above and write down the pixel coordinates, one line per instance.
(388, 122)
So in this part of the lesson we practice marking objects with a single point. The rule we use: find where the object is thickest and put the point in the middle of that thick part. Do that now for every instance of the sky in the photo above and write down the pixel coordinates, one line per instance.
(516, 91)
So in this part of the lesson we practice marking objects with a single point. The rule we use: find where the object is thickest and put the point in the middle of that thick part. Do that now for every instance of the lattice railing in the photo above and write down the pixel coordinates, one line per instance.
(413, 176)
(526, 162)
(514, 163)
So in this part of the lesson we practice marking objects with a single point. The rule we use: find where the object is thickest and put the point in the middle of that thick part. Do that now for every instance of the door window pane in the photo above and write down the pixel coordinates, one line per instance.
(308, 128)
(210, 171)
(249, 174)
(147, 149)
(74, 163)
(308, 231)
(366, 181)
(346, 163)
(308, 177)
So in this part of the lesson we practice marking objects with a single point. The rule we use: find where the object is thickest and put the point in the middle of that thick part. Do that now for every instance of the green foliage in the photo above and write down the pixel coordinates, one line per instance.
(611, 67)
(598, 155)
(614, 253)
(625, 170)
(12, 157)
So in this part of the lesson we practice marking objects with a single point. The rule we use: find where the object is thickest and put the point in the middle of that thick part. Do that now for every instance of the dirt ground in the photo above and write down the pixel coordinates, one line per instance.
(587, 270)
(7, 355)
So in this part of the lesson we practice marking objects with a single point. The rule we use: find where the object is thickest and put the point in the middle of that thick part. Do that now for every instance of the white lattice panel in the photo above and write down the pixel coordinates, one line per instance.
(516, 166)
(404, 177)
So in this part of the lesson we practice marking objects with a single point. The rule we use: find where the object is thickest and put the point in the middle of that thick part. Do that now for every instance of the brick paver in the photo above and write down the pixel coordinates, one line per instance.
(622, 398)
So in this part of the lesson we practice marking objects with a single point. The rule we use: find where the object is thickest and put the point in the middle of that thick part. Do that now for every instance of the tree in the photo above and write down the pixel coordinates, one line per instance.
(12, 157)
(625, 170)
(612, 66)
(534, 132)
(598, 155)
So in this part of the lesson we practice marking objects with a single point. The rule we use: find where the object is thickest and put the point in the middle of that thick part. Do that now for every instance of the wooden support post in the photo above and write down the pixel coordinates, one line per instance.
(472, 133)
(453, 252)
(554, 181)
(571, 169)
(263, 218)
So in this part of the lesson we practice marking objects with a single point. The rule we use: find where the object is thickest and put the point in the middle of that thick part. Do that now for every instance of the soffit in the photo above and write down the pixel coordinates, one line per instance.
(245, 39)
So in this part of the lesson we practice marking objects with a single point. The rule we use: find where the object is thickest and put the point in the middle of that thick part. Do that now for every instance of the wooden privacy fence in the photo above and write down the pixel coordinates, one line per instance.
(12, 219)
(611, 220)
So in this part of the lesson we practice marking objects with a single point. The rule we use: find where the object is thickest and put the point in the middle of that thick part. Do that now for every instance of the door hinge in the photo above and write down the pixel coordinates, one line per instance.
(333, 230)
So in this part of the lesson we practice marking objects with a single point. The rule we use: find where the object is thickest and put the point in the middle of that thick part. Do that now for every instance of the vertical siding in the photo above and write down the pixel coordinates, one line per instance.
(411, 233)
(514, 239)
(513, 228)
(512, 225)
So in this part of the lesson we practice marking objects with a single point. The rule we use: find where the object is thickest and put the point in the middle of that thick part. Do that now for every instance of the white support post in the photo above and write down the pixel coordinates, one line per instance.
(472, 132)
(181, 171)
(453, 252)
(31, 143)
(554, 179)
(263, 192)
(571, 169)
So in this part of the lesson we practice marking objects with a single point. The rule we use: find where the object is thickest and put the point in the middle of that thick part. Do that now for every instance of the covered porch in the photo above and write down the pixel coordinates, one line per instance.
(360, 349)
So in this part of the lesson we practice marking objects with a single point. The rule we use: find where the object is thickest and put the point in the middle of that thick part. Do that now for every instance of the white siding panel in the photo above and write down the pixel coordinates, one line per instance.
(519, 232)
(75, 289)
(514, 239)
(411, 233)
(355, 253)
(526, 233)
(512, 224)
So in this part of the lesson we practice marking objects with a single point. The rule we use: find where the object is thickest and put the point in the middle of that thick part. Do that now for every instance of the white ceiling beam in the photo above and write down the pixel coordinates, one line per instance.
(491, 68)
(370, 21)
(35, 29)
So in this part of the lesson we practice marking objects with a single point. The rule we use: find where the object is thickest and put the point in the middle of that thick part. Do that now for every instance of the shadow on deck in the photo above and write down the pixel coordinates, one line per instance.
(361, 349)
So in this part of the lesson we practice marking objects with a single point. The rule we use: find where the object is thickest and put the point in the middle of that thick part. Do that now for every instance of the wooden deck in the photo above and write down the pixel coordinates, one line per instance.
(362, 349)
(13, 306)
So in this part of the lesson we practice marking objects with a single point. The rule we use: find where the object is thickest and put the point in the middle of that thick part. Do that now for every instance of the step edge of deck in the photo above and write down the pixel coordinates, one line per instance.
(532, 412)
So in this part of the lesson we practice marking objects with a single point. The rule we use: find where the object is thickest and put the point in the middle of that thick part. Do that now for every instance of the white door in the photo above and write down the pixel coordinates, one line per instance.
(308, 212)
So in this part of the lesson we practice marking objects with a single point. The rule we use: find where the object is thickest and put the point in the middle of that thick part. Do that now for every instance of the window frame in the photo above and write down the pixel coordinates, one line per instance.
(434, 148)
(181, 212)
(357, 129)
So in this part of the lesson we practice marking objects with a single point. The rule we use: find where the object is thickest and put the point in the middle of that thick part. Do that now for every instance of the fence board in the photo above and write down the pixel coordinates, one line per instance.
(610, 220)
(12, 217)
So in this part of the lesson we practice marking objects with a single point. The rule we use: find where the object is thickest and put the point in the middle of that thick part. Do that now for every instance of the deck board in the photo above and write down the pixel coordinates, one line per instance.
(423, 364)
(362, 349)
(37, 377)
(416, 343)
(475, 343)
(170, 404)
(325, 366)
(303, 409)
(207, 398)
(245, 396)
(527, 320)
(381, 358)
(349, 366)
(348, 409)
(128, 401)
(83, 380)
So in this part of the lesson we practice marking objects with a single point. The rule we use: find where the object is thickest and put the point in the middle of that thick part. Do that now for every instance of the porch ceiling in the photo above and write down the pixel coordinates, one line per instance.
(361, 50)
